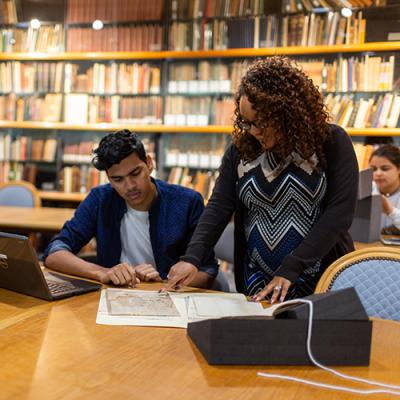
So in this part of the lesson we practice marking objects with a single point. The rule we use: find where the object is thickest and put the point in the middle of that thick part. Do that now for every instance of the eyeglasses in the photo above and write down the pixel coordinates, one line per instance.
(246, 125)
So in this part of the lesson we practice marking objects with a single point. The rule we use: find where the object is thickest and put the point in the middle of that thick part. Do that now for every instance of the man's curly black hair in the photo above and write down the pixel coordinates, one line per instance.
(116, 146)
(286, 99)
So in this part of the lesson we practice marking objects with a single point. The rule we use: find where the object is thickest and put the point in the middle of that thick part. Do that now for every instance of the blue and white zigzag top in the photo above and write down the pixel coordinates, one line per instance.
(282, 205)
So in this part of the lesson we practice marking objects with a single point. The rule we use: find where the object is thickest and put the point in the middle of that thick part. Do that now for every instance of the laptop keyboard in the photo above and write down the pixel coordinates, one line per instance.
(60, 287)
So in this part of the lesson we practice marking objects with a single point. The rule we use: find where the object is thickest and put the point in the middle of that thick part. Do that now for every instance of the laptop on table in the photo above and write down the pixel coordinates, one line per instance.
(20, 271)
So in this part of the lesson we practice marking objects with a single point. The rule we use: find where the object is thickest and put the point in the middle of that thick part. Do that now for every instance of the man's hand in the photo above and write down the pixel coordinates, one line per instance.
(279, 287)
(121, 274)
(180, 274)
(146, 272)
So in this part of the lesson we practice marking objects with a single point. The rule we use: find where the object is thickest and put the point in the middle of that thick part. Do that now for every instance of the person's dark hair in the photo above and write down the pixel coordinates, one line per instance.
(388, 151)
(116, 146)
(286, 99)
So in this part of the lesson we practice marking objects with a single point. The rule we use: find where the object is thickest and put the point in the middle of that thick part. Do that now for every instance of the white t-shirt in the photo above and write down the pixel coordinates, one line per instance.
(394, 217)
(135, 238)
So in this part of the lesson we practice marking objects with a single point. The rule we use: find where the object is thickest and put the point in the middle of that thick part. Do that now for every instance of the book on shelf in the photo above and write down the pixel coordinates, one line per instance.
(76, 108)
(128, 10)
(48, 38)
(141, 38)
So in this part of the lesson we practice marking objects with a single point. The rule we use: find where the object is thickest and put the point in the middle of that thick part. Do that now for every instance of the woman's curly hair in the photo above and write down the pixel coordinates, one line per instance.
(284, 98)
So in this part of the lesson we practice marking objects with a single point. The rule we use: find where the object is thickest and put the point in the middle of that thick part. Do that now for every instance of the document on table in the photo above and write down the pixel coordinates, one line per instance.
(173, 309)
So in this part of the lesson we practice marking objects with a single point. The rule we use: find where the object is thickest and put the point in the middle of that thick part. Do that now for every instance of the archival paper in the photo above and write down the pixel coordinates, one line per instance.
(173, 309)
(140, 303)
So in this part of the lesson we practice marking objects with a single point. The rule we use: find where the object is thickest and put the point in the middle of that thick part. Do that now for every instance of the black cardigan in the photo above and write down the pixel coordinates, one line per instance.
(328, 239)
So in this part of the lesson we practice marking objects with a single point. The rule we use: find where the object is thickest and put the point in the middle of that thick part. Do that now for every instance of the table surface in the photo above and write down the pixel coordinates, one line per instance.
(34, 219)
(55, 350)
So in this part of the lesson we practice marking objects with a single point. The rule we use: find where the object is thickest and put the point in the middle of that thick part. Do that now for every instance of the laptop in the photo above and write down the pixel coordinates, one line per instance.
(20, 271)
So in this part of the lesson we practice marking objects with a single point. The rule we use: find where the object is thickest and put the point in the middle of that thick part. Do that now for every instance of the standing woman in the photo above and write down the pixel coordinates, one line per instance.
(290, 179)
(385, 162)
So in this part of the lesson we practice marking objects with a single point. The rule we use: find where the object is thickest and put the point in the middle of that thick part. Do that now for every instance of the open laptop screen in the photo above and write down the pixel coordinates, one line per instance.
(20, 271)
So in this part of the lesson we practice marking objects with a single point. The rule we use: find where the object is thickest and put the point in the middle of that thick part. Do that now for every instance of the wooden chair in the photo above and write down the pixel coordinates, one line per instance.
(375, 274)
(19, 194)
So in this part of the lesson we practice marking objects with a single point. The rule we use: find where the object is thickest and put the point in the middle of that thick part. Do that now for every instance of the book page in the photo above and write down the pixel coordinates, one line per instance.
(212, 307)
(140, 303)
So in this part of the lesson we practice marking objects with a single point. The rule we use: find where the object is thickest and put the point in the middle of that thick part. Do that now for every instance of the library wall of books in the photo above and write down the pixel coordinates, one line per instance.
(73, 70)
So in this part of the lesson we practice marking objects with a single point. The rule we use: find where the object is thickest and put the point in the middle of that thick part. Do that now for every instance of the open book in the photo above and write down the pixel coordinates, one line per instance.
(174, 309)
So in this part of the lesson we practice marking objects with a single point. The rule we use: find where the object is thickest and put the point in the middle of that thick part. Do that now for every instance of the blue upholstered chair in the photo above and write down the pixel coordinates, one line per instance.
(374, 273)
(224, 251)
(19, 194)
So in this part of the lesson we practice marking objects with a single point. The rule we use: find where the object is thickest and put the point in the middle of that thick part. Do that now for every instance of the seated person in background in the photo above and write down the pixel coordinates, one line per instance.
(385, 162)
(142, 225)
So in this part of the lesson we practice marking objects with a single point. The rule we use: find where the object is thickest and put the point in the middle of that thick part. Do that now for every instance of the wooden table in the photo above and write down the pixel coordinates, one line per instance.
(56, 351)
(38, 219)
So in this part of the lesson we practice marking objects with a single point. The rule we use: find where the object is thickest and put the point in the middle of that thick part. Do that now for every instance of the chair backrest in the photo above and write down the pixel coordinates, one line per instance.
(224, 251)
(19, 194)
(224, 247)
(374, 273)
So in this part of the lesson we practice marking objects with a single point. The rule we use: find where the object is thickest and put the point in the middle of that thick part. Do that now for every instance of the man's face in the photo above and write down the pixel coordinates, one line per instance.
(131, 179)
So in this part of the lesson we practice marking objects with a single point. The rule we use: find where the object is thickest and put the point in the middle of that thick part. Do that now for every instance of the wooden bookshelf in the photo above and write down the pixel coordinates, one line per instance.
(162, 59)
(198, 54)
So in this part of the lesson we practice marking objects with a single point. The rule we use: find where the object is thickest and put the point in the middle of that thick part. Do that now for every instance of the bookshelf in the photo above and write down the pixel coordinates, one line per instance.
(184, 104)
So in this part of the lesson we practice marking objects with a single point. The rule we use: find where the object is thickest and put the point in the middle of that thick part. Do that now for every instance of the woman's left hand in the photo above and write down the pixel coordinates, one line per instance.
(279, 287)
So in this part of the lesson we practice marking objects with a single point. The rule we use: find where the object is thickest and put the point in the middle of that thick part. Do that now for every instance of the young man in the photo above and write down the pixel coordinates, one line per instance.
(142, 225)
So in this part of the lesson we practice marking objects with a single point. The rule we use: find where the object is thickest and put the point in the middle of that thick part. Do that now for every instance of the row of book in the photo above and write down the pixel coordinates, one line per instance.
(78, 151)
(14, 171)
(198, 111)
(29, 77)
(353, 74)
(8, 12)
(194, 151)
(98, 78)
(374, 112)
(322, 29)
(113, 10)
(186, 9)
(115, 38)
(205, 76)
(81, 109)
(346, 110)
(308, 5)
(80, 179)
(201, 181)
(47, 38)
(363, 154)
(270, 31)
(27, 148)
(113, 78)
(362, 73)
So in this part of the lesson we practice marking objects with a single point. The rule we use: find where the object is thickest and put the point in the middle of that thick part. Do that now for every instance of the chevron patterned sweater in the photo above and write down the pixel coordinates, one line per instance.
(289, 221)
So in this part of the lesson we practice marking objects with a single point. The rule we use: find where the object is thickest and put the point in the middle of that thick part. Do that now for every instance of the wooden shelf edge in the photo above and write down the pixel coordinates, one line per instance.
(113, 126)
(170, 54)
(107, 127)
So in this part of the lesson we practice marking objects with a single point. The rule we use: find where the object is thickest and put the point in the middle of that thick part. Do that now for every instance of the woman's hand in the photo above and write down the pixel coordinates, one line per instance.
(386, 205)
(279, 287)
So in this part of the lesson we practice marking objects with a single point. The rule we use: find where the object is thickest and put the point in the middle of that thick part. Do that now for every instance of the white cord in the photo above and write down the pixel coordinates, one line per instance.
(318, 364)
